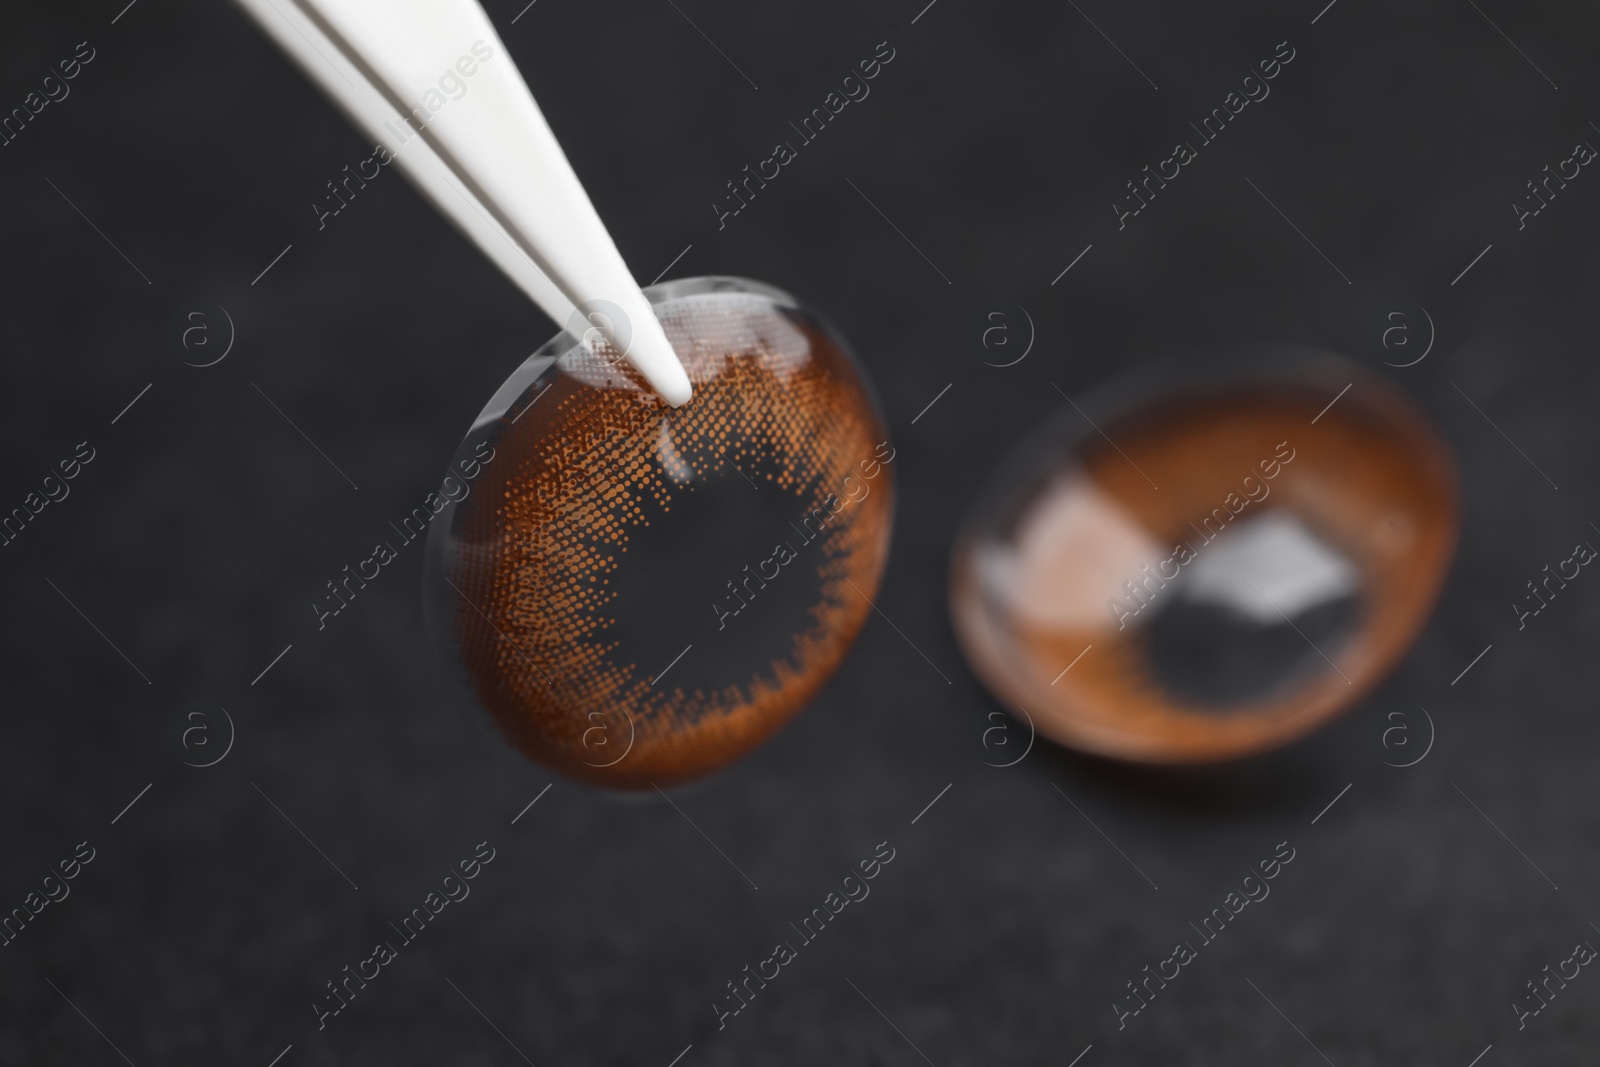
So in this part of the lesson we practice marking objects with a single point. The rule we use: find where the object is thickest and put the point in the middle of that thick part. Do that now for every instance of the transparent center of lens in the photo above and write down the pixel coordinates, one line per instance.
(1257, 609)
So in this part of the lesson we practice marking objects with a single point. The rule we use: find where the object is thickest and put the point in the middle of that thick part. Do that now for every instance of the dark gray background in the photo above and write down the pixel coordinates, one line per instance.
(1001, 933)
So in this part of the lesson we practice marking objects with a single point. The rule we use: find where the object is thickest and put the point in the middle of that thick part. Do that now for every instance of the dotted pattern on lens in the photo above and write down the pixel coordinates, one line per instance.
(600, 464)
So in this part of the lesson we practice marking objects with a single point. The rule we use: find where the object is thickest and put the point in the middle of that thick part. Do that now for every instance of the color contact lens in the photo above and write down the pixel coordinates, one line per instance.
(1216, 569)
(637, 594)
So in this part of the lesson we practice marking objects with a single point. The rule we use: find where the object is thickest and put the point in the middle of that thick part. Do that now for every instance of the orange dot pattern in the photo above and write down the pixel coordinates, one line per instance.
(595, 464)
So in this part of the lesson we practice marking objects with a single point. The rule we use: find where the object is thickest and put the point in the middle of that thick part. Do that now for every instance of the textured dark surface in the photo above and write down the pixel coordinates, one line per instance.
(605, 928)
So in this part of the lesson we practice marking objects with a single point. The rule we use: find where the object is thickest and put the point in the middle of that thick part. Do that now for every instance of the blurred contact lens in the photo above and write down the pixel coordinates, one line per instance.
(1207, 569)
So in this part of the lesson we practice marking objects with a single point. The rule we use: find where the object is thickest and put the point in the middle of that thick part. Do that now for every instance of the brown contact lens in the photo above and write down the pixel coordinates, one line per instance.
(639, 595)
(1223, 569)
